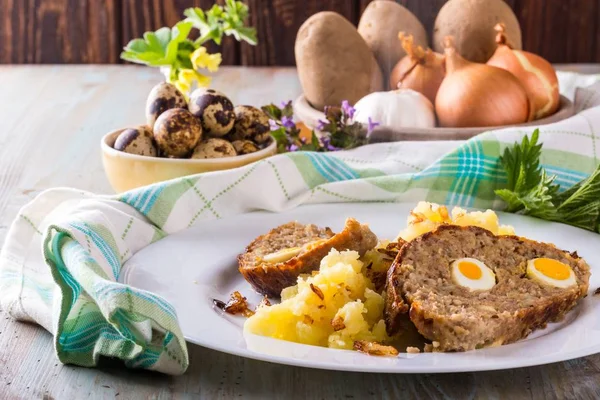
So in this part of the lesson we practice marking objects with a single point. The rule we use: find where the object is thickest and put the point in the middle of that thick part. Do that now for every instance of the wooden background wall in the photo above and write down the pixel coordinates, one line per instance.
(94, 31)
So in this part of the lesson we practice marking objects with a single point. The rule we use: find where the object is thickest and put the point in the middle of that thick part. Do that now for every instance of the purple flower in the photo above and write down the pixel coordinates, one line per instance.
(292, 147)
(348, 109)
(371, 125)
(321, 125)
(273, 125)
(287, 122)
(285, 104)
(326, 142)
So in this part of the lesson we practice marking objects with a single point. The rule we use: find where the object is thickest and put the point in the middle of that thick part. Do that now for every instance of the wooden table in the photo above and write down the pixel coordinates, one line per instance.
(51, 121)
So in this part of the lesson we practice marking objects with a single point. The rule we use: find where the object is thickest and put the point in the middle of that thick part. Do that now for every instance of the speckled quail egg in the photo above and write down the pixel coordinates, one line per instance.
(163, 97)
(244, 146)
(214, 110)
(251, 124)
(177, 132)
(549, 271)
(472, 274)
(214, 148)
(146, 130)
(137, 140)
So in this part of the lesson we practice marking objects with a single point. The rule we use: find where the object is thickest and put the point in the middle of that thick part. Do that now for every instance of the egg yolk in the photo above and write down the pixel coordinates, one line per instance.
(552, 268)
(470, 270)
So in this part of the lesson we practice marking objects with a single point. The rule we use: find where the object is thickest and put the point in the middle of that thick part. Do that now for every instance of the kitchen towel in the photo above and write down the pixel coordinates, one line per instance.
(60, 264)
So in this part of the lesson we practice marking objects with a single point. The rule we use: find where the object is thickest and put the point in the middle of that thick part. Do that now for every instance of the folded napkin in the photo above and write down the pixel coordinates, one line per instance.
(60, 264)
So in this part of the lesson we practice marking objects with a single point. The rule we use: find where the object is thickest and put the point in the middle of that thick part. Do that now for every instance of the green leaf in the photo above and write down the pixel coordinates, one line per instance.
(512, 200)
(314, 140)
(281, 139)
(153, 44)
(197, 17)
(535, 201)
(272, 111)
(584, 192)
(586, 216)
(247, 35)
(521, 163)
(163, 35)
(179, 33)
(158, 48)
(137, 46)
(219, 21)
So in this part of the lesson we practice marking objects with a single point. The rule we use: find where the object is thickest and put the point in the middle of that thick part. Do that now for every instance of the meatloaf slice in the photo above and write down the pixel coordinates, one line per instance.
(419, 282)
(305, 246)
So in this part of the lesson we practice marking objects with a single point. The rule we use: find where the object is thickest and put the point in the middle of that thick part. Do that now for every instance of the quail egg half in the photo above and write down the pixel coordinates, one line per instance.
(472, 274)
(551, 272)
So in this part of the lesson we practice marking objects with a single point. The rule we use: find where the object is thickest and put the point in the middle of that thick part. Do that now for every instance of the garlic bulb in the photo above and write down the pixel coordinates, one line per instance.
(396, 109)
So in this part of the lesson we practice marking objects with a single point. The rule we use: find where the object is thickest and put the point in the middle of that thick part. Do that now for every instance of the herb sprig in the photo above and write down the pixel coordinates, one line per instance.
(179, 56)
(219, 21)
(531, 191)
(338, 132)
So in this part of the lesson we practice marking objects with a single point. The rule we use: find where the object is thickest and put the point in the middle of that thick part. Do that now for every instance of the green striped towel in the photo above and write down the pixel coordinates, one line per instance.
(71, 287)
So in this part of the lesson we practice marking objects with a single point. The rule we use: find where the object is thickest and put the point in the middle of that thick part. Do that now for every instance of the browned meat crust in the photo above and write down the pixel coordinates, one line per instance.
(419, 282)
(271, 278)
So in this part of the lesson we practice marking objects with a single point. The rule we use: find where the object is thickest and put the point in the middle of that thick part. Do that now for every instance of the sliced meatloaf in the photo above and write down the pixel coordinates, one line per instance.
(274, 261)
(420, 283)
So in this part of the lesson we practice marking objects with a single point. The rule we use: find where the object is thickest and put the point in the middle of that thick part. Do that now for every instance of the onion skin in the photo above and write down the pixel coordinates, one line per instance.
(535, 74)
(476, 95)
(420, 70)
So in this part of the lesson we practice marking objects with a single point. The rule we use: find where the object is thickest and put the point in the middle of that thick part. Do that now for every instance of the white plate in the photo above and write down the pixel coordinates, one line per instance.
(194, 266)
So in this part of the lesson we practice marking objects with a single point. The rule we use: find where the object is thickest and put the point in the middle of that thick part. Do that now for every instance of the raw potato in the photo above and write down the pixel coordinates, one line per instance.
(472, 22)
(334, 62)
(177, 132)
(163, 97)
(379, 26)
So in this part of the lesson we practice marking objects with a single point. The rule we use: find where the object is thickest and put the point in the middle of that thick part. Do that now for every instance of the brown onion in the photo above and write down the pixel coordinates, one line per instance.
(536, 75)
(419, 70)
(473, 94)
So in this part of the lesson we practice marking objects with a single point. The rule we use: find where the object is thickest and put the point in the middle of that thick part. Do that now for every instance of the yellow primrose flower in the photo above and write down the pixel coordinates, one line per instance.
(188, 76)
(183, 87)
(201, 59)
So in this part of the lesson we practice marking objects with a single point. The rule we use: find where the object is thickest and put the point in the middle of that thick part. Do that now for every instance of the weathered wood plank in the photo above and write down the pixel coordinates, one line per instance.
(88, 31)
(218, 375)
(59, 31)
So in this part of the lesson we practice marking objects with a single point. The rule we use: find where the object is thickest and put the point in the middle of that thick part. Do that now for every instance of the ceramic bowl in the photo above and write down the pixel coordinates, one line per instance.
(129, 171)
(310, 116)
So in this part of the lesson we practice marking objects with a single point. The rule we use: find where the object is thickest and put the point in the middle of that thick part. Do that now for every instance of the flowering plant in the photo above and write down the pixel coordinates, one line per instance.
(180, 57)
(337, 132)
